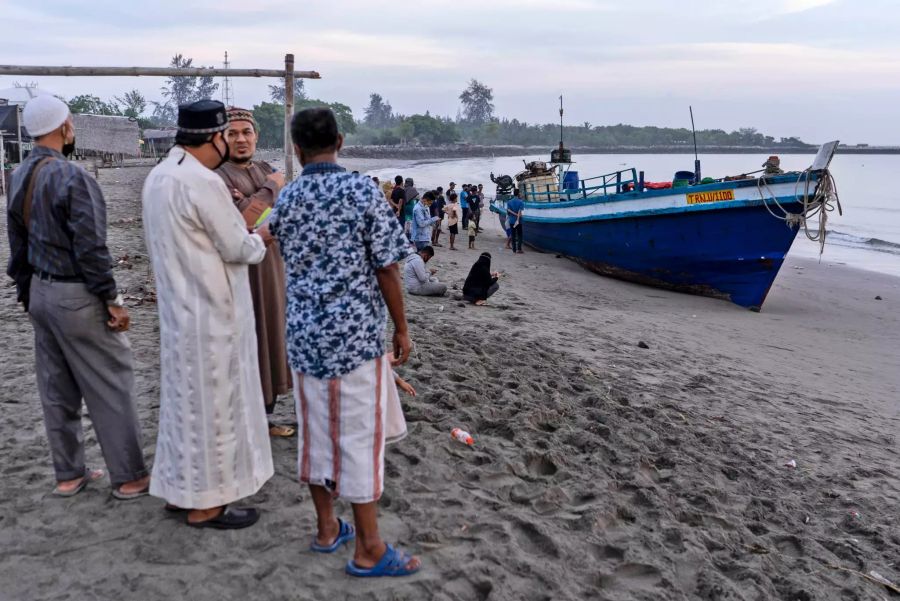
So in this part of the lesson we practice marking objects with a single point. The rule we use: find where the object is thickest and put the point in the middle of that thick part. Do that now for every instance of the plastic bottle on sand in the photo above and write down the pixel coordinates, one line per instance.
(462, 436)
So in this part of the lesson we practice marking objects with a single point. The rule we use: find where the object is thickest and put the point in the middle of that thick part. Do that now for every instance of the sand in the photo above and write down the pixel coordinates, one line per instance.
(601, 469)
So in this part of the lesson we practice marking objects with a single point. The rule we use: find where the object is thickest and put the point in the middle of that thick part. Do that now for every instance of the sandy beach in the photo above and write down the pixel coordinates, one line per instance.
(600, 470)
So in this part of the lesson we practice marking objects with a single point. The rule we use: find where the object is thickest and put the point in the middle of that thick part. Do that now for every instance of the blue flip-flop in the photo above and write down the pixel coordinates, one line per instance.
(346, 533)
(392, 563)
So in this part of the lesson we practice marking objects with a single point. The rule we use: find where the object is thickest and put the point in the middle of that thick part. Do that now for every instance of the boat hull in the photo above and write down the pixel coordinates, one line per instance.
(733, 254)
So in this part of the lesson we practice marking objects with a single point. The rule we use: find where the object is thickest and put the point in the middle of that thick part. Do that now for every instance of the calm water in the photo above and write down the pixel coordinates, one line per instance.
(867, 235)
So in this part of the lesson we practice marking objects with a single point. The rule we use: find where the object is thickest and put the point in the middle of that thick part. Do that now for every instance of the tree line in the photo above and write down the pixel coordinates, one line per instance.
(475, 122)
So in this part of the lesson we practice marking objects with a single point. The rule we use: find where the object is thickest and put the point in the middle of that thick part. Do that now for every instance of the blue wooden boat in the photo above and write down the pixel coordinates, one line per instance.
(725, 239)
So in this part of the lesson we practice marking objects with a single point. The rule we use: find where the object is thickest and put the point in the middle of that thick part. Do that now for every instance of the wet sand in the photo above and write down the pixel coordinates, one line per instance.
(601, 469)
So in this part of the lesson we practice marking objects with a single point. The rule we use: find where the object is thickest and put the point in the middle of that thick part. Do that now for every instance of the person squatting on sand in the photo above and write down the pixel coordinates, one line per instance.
(59, 260)
(481, 283)
(254, 186)
(453, 216)
(213, 444)
(419, 280)
(423, 222)
(341, 247)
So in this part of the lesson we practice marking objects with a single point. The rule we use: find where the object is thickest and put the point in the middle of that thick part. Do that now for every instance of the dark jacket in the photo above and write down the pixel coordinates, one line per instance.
(67, 234)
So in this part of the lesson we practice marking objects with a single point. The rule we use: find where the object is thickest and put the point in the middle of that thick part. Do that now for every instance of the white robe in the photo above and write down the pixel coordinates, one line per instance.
(213, 445)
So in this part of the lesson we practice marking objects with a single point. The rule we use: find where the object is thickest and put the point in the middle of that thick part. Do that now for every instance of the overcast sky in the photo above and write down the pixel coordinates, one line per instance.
(817, 69)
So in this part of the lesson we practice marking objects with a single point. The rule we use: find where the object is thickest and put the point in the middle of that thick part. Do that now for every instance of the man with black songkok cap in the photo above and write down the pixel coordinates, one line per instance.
(213, 446)
(254, 186)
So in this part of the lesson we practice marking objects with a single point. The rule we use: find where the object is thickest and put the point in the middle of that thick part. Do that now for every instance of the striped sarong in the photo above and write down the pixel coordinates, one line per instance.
(344, 424)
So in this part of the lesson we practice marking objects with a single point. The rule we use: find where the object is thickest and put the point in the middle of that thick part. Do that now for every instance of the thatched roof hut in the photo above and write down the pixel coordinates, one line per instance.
(159, 141)
(106, 135)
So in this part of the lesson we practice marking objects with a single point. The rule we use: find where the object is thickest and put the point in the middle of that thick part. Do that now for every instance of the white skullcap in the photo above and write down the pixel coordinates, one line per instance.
(43, 114)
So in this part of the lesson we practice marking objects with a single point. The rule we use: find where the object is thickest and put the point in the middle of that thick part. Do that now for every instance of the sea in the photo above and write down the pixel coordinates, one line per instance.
(865, 235)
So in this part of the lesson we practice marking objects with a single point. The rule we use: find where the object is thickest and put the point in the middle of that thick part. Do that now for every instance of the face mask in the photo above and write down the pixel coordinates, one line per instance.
(69, 147)
(223, 157)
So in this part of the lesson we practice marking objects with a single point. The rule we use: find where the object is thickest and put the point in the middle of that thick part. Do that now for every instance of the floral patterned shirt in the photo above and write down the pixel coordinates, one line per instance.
(335, 230)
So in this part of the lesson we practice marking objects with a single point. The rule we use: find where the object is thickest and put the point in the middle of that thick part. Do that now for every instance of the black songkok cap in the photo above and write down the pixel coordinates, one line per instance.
(202, 117)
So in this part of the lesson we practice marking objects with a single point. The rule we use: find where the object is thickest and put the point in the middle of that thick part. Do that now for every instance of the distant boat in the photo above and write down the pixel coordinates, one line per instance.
(721, 238)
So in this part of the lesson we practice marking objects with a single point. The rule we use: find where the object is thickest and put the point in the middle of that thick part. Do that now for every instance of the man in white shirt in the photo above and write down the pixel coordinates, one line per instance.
(419, 280)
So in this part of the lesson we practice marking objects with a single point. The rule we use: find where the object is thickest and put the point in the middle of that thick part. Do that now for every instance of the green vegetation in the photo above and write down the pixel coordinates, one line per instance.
(181, 90)
(475, 123)
(270, 118)
(131, 104)
(478, 125)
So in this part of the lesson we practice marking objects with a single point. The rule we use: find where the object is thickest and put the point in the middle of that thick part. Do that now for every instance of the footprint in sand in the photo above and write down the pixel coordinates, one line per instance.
(606, 552)
(540, 465)
(632, 577)
(533, 541)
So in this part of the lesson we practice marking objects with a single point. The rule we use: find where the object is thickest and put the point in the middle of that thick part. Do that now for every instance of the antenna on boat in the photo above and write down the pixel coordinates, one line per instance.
(696, 160)
(561, 155)
(560, 121)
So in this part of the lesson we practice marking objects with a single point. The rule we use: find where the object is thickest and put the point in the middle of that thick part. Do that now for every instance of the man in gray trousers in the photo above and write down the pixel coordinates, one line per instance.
(56, 221)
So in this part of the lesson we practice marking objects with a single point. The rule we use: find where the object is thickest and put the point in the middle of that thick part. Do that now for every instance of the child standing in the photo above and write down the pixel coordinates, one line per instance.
(452, 211)
(473, 231)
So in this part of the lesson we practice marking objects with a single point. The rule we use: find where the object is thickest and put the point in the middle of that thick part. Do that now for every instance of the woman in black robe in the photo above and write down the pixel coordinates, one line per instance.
(482, 282)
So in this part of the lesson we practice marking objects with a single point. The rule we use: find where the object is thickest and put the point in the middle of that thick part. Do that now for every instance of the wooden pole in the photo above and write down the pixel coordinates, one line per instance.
(288, 115)
(288, 74)
(19, 133)
(149, 72)
(2, 165)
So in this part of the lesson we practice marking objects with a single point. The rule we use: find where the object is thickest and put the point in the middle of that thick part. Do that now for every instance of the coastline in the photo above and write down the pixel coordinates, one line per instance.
(600, 469)
(450, 152)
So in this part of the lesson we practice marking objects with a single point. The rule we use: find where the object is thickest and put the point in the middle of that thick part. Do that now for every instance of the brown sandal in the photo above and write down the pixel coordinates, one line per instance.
(281, 431)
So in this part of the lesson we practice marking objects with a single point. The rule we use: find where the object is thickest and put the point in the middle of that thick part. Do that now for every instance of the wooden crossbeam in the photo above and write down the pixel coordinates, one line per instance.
(38, 71)
(288, 74)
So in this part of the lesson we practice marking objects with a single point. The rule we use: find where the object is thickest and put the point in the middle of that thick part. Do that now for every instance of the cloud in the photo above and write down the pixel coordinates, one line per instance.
(799, 6)
(637, 55)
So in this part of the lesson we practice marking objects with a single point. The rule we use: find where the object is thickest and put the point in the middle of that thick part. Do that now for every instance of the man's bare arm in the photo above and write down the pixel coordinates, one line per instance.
(392, 291)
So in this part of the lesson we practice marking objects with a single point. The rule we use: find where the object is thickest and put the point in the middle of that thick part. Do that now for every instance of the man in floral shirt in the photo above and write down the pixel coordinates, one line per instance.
(341, 245)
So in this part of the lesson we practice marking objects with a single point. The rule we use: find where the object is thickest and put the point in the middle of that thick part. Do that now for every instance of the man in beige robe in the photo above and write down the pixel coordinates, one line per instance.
(254, 186)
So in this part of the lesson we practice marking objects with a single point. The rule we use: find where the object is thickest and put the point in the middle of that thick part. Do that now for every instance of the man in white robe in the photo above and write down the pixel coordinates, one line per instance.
(213, 446)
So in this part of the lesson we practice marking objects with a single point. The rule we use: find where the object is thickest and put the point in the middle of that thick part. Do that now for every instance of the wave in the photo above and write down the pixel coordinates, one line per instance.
(876, 244)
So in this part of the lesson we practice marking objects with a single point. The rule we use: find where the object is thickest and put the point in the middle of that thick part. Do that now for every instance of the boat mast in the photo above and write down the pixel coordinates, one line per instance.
(560, 173)
(560, 121)
(696, 159)
(561, 156)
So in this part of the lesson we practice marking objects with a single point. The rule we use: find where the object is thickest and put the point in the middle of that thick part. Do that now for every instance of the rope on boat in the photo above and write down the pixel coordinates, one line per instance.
(823, 201)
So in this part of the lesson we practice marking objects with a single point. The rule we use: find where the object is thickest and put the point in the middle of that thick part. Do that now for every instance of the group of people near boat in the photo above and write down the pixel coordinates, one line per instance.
(422, 217)
(255, 298)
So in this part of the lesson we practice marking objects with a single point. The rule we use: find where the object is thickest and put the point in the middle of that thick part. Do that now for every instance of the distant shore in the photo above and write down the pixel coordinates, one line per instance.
(464, 151)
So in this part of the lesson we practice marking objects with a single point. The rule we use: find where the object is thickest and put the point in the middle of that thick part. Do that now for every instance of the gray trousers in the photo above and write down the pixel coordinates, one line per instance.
(78, 357)
(429, 289)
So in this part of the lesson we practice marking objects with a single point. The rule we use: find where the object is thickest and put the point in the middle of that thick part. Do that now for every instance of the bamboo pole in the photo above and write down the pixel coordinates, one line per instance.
(288, 115)
(38, 71)
(2, 165)
(19, 133)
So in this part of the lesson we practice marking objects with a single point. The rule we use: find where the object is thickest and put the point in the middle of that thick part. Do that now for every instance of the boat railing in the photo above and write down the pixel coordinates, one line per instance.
(592, 186)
